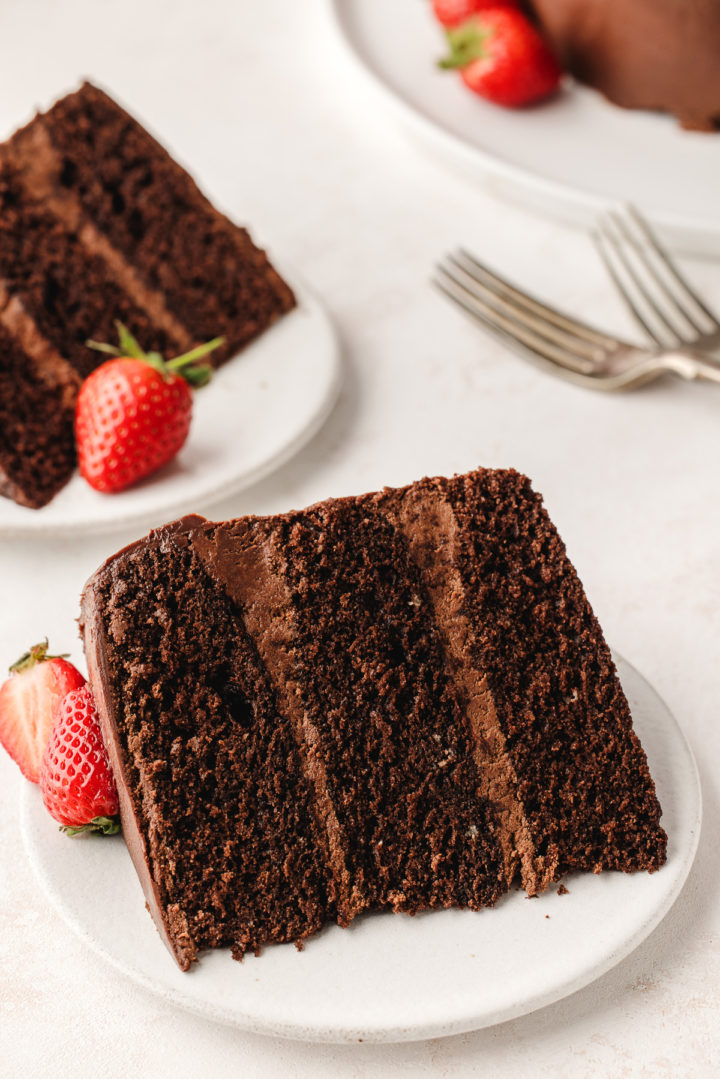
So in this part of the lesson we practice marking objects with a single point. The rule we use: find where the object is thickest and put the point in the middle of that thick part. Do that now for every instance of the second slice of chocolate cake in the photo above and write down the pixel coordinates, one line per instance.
(401, 701)
(99, 224)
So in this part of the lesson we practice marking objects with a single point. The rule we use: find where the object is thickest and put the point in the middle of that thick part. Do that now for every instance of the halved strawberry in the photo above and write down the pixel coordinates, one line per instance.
(37, 684)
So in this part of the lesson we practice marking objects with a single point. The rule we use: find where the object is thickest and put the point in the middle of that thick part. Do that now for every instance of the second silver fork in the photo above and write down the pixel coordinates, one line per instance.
(660, 298)
(566, 346)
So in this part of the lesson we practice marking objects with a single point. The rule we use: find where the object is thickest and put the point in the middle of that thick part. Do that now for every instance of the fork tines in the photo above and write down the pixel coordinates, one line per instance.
(518, 318)
(658, 296)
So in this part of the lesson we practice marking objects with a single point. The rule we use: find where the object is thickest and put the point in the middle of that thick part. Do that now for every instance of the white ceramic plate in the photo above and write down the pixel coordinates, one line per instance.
(567, 157)
(257, 411)
(390, 977)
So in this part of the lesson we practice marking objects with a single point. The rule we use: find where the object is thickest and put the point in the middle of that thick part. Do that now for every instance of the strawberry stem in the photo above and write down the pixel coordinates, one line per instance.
(196, 374)
(128, 343)
(38, 653)
(196, 353)
(467, 43)
(101, 825)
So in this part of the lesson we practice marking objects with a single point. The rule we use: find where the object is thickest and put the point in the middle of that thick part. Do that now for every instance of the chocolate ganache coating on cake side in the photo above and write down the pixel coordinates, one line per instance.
(397, 701)
(642, 54)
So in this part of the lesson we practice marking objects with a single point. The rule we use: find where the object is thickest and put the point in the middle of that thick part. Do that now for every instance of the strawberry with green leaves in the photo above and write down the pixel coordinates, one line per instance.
(133, 412)
(502, 57)
(38, 682)
(77, 784)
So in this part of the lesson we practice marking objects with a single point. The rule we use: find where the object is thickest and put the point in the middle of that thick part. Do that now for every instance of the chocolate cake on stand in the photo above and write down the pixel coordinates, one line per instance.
(642, 54)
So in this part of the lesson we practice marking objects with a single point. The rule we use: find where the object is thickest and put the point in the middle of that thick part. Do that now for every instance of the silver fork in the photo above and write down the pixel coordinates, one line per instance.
(660, 299)
(563, 345)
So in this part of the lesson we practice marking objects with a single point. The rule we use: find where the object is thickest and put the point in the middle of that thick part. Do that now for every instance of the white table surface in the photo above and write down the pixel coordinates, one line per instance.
(259, 101)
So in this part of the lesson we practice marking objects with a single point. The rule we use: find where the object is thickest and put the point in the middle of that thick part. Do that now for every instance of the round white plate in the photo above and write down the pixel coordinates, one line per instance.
(257, 411)
(390, 977)
(569, 157)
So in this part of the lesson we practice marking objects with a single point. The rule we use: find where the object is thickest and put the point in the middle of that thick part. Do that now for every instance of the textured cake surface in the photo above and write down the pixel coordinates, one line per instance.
(99, 223)
(37, 448)
(398, 701)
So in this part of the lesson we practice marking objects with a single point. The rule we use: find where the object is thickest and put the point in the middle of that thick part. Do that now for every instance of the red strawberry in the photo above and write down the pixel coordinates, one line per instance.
(453, 12)
(133, 413)
(502, 57)
(37, 683)
(76, 782)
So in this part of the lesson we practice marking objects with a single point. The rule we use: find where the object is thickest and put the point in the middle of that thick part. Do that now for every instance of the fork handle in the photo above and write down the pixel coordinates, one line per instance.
(691, 366)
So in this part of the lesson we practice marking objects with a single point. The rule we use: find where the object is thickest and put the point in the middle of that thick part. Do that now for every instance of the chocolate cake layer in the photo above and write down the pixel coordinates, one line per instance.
(447, 714)
(215, 808)
(37, 448)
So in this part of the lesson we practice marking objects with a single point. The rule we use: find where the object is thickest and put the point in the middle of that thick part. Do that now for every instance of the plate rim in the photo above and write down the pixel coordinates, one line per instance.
(393, 1033)
(568, 203)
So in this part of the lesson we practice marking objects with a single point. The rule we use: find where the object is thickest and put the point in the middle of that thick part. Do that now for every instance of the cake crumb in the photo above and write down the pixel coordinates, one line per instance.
(562, 890)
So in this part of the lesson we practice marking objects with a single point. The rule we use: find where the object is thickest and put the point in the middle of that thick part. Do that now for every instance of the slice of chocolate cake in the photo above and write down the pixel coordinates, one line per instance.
(398, 701)
(98, 224)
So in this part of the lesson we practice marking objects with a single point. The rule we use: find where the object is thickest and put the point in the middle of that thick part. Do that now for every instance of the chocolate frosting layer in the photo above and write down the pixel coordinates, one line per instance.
(427, 520)
(244, 560)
